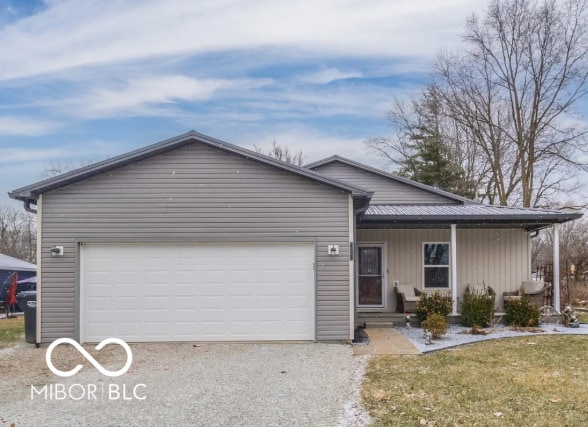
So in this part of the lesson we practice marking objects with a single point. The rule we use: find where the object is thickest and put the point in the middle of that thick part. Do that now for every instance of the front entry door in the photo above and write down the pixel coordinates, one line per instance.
(370, 276)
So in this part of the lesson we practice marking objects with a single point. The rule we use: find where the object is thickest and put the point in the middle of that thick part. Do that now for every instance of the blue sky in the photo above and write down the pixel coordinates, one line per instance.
(88, 79)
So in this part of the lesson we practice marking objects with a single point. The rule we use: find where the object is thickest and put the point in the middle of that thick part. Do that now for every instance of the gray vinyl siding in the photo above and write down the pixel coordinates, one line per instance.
(195, 194)
(497, 257)
(385, 190)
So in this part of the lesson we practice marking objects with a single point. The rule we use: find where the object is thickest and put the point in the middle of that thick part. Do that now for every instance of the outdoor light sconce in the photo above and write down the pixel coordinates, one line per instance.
(333, 250)
(56, 251)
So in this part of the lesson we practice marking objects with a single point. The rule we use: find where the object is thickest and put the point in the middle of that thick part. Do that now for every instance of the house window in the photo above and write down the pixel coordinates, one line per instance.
(436, 265)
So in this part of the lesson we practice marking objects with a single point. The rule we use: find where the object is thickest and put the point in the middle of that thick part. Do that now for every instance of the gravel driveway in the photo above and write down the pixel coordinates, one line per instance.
(188, 384)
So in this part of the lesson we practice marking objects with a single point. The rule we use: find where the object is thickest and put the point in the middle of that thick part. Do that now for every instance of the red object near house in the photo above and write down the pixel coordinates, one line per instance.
(11, 295)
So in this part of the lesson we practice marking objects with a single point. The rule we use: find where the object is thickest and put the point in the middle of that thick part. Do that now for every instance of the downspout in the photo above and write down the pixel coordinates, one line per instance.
(27, 207)
(39, 264)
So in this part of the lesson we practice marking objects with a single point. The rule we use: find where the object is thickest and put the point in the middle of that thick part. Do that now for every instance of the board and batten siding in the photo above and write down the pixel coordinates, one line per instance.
(385, 190)
(497, 257)
(195, 194)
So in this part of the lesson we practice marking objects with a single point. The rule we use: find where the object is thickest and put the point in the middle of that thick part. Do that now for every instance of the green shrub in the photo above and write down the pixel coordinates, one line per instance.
(477, 309)
(436, 302)
(436, 324)
(522, 312)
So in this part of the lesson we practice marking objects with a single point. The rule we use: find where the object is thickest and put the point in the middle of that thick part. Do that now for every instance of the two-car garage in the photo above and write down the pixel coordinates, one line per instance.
(197, 292)
(194, 239)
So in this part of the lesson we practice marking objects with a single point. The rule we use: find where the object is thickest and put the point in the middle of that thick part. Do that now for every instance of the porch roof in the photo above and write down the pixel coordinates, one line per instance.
(466, 216)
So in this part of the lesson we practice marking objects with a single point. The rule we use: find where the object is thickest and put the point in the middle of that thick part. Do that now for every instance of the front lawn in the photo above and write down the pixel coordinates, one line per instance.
(11, 331)
(531, 380)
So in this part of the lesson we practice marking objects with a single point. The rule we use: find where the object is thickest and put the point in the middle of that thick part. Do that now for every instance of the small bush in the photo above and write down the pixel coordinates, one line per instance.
(436, 324)
(522, 312)
(437, 302)
(477, 309)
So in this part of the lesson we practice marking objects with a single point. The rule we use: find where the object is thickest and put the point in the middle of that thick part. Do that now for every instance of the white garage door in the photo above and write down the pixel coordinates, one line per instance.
(211, 292)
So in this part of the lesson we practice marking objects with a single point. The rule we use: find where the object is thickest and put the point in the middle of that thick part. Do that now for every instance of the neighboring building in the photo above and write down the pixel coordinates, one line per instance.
(9, 265)
(195, 239)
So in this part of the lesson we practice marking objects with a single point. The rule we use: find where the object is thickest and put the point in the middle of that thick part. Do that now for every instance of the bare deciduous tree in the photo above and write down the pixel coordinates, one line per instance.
(515, 87)
(58, 167)
(282, 153)
(508, 101)
(18, 234)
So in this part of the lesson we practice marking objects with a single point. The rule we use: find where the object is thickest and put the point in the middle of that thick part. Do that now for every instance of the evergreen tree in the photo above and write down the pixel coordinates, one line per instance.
(429, 158)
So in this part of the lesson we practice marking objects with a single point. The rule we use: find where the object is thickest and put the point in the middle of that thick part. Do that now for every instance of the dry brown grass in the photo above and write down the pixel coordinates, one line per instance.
(532, 380)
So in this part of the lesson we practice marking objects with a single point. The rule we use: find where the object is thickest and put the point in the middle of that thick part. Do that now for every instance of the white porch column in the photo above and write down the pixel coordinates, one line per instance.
(556, 298)
(453, 247)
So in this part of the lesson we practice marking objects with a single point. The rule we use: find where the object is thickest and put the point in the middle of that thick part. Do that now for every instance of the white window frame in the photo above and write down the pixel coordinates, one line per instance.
(384, 267)
(423, 265)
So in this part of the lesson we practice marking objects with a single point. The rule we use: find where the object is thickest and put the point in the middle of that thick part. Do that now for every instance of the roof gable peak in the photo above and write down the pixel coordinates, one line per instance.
(389, 175)
(30, 193)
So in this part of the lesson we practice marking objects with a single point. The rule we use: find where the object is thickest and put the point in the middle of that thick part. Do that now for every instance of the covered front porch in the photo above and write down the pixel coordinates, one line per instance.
(446, 248)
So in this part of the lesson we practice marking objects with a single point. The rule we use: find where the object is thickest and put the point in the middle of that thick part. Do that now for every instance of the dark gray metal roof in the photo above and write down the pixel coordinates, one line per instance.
(391, 176)
(30, 193)
(394, 216)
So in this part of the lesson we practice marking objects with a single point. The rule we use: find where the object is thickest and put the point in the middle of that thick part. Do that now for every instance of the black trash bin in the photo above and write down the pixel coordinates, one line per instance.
(27, 301)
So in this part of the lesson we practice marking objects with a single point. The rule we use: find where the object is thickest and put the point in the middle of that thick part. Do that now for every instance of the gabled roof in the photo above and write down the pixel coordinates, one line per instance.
(390, 176)
(15, 264)
(472, 214)
(30, 193)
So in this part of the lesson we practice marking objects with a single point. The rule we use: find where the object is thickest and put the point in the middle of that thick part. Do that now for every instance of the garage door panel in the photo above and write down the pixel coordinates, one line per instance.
(198, 292)
(98, 328)
(122, 290)
(130, 304)
(183, 302)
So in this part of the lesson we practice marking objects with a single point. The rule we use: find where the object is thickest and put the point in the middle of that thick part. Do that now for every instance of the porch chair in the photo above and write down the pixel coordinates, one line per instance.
(534, 289)
(406, 298)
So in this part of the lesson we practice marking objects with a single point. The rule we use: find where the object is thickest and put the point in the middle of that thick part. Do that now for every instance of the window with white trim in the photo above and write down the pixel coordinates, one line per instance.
(435, 265)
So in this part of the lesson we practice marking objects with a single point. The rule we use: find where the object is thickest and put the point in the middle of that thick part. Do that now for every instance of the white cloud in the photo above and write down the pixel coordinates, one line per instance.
(69, 152)
(70, 34)
(330, 75)
(145, 91)
(25, 126)
(21, 155)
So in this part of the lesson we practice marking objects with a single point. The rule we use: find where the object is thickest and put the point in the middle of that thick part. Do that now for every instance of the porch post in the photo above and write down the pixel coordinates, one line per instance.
(453, 246)
(556, 298)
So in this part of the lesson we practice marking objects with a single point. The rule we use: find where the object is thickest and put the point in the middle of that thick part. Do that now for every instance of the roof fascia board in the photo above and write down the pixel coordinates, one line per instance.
(446, 225)
(470, 219)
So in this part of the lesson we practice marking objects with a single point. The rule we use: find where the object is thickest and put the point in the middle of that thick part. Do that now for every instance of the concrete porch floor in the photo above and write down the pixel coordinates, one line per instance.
(386, 341)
